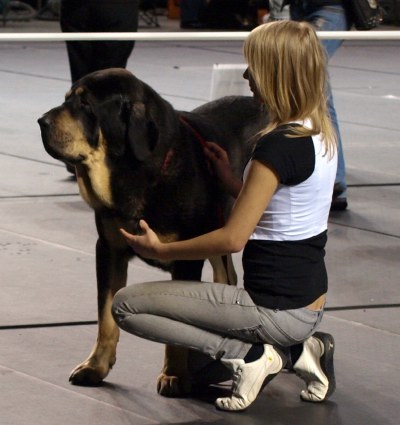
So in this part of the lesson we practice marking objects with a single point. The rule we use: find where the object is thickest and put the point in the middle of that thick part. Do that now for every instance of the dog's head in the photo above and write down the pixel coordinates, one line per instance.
(108, 113)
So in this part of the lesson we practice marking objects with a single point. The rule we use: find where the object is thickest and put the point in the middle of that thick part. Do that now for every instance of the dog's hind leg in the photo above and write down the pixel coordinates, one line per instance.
(223, 270)
(174, 380)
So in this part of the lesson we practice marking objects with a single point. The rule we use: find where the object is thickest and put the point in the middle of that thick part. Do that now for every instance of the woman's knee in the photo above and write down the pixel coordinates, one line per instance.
(134, 299)
(120, 307)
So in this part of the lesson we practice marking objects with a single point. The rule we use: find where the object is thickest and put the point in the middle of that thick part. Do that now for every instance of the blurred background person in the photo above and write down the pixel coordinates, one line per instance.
(98, 16)
(324, 15)
(328, 15)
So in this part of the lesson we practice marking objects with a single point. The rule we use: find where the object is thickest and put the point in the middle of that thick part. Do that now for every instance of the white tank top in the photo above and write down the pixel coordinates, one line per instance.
(300, 211)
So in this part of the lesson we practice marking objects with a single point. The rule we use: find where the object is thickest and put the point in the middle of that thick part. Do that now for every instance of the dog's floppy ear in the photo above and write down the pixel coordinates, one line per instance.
(113, 116)
(142, 132)
(123, 123)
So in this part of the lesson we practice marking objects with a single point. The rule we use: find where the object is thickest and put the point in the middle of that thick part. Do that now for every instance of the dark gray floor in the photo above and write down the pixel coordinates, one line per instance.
(47, 241)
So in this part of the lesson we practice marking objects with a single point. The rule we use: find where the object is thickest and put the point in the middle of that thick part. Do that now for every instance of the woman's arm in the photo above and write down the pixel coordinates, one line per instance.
(253, 198)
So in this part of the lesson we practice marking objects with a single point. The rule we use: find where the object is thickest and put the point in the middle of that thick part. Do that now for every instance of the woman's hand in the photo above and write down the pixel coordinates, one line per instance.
(146, 245)
(218, 157)
(221, 166)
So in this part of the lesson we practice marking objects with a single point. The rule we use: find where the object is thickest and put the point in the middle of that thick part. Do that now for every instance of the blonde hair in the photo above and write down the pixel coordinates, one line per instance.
(288, 65)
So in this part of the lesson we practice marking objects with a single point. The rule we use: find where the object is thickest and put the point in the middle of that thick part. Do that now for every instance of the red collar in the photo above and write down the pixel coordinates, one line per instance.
(167, 162)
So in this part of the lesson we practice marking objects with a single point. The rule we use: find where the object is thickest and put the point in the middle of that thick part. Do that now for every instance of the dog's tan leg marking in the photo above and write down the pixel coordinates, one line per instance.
(174, 380)
(112, 266)
(103, 356)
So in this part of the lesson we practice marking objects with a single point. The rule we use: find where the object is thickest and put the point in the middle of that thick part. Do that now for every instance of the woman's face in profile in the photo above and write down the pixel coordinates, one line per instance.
(247, 76)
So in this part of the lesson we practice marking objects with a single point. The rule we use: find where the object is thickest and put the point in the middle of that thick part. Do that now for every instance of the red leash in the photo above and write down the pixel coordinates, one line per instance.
(196, 134)
(170, 153)
(220, 212)
(203, 143)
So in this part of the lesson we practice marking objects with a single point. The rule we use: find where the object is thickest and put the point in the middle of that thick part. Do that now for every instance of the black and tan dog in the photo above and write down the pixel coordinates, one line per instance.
(136, 157)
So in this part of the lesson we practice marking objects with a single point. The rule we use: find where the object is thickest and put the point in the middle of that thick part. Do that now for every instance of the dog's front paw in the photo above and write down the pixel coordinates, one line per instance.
(173, 386)
(87, 375)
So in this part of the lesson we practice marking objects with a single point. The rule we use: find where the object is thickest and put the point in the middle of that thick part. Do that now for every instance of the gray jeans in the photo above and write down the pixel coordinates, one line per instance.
(218, 320)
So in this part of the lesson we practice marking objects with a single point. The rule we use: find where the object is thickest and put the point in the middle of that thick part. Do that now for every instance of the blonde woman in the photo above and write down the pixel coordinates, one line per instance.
(279, 219)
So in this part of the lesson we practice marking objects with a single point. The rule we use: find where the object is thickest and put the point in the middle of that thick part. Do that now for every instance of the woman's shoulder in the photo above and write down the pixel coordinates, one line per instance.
(282, 135)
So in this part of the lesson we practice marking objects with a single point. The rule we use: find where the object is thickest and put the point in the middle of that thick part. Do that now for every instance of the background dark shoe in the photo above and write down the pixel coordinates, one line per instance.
(193, 25)
(338, 189)
(338, 204)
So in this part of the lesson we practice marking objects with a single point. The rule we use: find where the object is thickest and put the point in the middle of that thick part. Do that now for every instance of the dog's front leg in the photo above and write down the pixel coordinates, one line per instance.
(111, 266)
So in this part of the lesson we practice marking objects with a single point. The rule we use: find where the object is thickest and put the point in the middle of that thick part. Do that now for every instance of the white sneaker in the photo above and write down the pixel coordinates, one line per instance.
(248, 379)
(315, 367)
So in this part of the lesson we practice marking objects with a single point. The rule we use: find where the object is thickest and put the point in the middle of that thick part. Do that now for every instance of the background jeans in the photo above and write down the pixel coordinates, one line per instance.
(328, 18)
